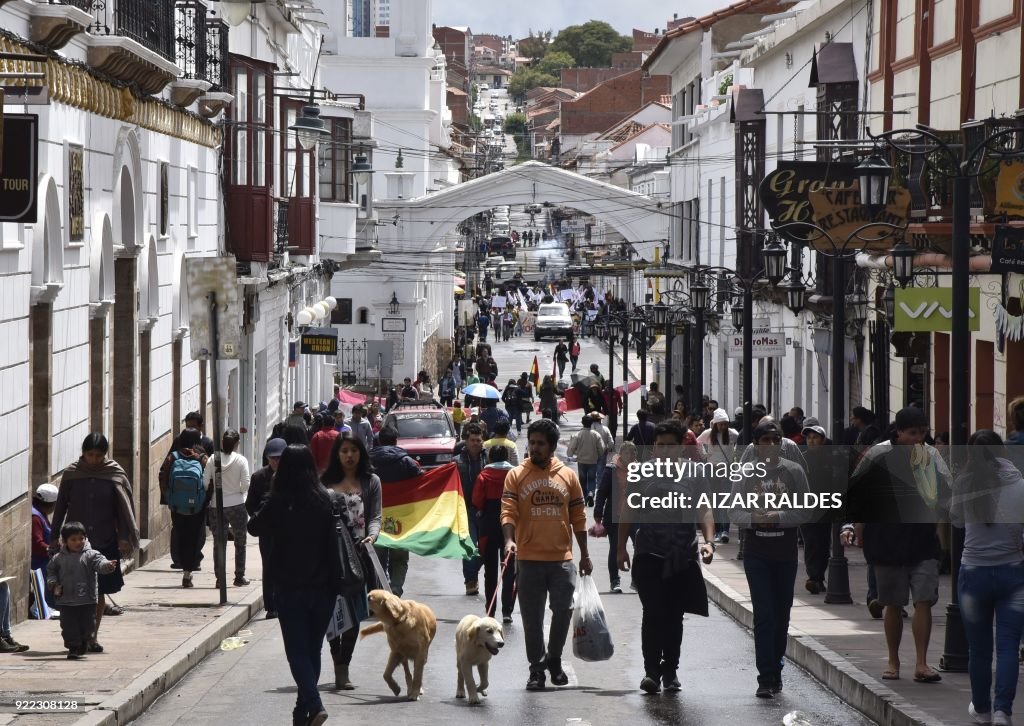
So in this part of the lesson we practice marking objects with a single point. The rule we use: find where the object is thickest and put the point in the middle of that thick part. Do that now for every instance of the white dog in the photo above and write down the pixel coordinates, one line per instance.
(476, 640)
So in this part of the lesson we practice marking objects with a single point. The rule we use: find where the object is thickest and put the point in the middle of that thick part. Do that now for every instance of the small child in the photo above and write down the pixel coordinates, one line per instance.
(71, 574)
(458, 416)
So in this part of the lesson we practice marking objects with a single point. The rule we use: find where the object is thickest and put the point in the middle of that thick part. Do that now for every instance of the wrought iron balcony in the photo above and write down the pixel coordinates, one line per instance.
(190, 39)
(217, 53)
(85, 5)
(149, 60)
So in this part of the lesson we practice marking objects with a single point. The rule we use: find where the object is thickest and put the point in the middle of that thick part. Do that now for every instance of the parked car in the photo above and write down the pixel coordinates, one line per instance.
(553, 319)
(484, 87)
(425, 430)
(534, 209)
(500, 229)
(503, 246)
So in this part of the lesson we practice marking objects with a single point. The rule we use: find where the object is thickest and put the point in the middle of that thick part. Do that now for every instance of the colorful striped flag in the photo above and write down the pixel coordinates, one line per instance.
(535, 374)
(427, 516)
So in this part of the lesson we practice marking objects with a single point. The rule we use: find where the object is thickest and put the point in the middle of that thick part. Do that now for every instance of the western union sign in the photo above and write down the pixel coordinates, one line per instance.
(319, 341)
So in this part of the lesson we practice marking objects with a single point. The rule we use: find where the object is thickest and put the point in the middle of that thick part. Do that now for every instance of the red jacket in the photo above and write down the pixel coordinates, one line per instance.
(489, 486)
(320, 445)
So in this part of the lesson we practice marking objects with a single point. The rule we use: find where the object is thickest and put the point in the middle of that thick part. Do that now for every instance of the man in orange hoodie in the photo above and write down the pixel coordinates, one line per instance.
(541, 509)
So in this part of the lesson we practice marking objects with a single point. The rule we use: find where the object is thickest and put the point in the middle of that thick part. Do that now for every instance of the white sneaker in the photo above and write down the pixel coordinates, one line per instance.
(1000, 718)
(978, 717)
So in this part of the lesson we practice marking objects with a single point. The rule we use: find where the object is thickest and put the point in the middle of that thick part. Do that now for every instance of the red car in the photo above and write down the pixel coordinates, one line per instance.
(425, 430)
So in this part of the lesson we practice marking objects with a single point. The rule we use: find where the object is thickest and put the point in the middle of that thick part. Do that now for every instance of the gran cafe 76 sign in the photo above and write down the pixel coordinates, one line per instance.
(19, 166)
(827, 194)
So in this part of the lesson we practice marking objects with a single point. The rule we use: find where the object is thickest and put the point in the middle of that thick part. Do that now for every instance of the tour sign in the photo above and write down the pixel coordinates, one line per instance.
(828, 194)
(19, 168)
(319, 341)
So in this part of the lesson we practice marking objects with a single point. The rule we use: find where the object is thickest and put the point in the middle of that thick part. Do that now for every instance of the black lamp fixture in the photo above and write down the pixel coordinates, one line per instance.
(234, 12)
(737, 314)
(700, 292)
(874, 174)
(361, 170)
(394, 307)
(659, 313)
(601, 327)
(614, 327)
(795, 294)
(399, 160)
(638, 325)
(309, 128)
(903, 263)
(889, 303)
(774, 261)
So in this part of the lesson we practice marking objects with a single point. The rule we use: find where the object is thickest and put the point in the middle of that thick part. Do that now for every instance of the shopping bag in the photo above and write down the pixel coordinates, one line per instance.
(341, 620)
(591, 639)
(42, 605)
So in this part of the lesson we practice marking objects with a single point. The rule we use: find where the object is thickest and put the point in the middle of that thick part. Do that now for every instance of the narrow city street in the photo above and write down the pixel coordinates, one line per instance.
(253, 684)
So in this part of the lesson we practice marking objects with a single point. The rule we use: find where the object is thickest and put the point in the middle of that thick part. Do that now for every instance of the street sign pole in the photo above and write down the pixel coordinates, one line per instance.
(220, 538)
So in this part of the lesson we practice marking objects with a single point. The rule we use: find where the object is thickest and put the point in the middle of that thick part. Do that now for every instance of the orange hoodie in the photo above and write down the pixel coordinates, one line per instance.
(545, 506)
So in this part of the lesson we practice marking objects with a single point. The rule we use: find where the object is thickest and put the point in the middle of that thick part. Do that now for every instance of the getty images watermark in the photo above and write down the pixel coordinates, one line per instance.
(887, 484)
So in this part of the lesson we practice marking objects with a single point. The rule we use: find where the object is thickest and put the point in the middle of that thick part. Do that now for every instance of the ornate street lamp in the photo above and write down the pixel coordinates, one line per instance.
(774, 262)
(903, 263)
(699, 294)
(394, 307)
(858, 306)
(638, 324)
(737, 314)
(659, 313)
(874, 175)
(889, 303)
(795, 294)
(361, 170)
(234, 12)
(309, 128)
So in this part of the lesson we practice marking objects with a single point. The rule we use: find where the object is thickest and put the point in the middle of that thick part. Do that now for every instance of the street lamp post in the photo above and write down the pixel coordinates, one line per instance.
(873, 177)
(699, 294)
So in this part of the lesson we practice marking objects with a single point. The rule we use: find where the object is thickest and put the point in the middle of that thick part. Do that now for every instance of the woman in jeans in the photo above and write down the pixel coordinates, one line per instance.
(356, 490)
(300, 518)
(988, 502)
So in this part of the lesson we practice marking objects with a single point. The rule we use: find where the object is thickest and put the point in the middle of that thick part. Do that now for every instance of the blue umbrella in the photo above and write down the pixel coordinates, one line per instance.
(482, 390)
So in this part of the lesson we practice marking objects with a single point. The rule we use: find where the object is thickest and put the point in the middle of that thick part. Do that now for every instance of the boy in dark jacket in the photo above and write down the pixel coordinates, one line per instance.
(71, 575)
(487, 491)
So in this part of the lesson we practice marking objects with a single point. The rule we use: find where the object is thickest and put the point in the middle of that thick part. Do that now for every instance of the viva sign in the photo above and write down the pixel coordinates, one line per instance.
(930, 310)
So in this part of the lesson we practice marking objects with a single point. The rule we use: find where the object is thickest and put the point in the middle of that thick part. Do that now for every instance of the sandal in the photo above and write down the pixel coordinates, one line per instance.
(890, 675)
(929, 677)
(113, 610)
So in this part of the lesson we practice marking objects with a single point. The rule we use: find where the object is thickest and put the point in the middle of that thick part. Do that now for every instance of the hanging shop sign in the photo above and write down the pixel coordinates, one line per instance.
(19, 167)
(930, 310)
(828, 194)
(1008, 249)
(765, 343)
(1010, 191)
(319, 341)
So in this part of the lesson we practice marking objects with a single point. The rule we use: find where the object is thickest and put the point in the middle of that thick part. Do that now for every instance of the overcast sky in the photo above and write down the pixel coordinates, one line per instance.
(518, 17)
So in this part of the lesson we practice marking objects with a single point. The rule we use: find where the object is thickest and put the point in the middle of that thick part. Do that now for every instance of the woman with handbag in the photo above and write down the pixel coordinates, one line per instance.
(299, 516)
(356, 491)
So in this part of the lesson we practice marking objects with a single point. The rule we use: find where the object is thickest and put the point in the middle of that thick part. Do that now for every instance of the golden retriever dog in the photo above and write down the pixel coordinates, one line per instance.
(476, 640)
(410, 627)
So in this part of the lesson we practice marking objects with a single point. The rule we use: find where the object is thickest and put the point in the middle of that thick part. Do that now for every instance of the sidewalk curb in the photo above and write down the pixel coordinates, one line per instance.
(852, 685)
(132, 700)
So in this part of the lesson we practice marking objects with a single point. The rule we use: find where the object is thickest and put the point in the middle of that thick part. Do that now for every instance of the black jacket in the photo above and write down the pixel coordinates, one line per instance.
(393, 463)
(603, 500)
(304, 554)
(259, 489)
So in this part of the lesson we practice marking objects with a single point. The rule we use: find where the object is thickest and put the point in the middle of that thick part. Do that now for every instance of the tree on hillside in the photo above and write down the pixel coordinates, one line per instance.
(515, 124)
(591, 44)
(554, 62)
(536, 45)
(528, 78)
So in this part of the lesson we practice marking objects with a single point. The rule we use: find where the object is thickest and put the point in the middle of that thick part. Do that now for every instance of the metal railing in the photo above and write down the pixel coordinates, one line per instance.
(217, 53)
(148, 22)
(190, 38)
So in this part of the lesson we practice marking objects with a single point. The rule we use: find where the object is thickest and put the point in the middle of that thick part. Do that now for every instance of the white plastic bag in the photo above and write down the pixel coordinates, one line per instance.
(591, 639)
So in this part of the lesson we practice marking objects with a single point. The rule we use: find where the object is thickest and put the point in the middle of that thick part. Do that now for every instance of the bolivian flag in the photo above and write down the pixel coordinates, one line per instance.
(427, 516)
(535, 375)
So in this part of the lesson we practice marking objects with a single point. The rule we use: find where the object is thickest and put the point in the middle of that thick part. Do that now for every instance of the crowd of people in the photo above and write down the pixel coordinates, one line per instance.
(320, 464)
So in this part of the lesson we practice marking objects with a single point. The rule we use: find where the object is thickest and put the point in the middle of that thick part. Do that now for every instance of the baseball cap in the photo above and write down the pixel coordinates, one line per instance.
(738, 411)
(275, 447)
(769, 428)
(819, 430)
(46, 493)
(299, 404)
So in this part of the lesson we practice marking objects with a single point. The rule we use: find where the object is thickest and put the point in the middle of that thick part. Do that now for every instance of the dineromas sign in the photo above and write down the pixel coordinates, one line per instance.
(827, 194)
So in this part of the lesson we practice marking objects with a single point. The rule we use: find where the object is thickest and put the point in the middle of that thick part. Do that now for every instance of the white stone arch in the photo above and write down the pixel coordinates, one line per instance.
(101, 260)
(149, 284)
(179, 295)
(47, 244)
(127, 220)
(424, 222)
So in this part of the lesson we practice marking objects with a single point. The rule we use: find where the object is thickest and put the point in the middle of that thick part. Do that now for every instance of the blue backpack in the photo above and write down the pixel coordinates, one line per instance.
(186, 491)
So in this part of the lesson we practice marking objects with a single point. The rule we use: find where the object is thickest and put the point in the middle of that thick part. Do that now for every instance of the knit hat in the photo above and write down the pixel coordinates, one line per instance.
(719, 416)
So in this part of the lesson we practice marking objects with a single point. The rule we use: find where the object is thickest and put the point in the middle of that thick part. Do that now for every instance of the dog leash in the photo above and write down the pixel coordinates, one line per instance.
(501, 580)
